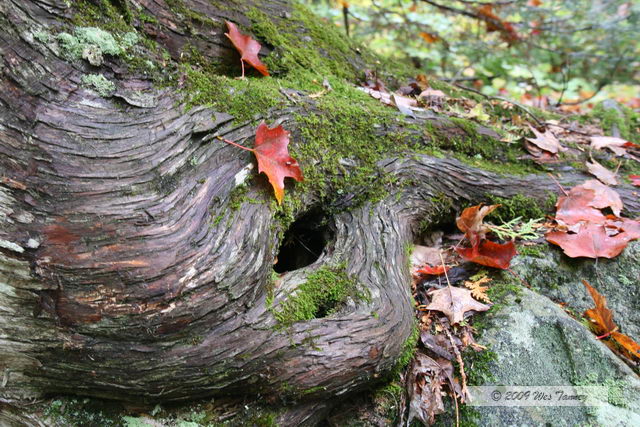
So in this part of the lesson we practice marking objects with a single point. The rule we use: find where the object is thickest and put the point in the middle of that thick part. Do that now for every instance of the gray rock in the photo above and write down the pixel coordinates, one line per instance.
(538, 344)
(560, 278)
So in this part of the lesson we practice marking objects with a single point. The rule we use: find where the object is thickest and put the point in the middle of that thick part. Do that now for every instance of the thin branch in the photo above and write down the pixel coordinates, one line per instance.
(500, 98)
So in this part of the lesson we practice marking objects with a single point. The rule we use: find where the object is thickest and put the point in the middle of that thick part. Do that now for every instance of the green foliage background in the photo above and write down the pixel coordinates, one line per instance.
(567, 49)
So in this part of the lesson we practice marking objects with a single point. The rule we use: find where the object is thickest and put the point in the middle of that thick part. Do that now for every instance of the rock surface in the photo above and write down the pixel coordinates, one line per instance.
(537, 343)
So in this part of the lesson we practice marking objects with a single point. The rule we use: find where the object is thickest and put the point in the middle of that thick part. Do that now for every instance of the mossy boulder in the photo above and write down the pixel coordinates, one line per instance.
(535, 342)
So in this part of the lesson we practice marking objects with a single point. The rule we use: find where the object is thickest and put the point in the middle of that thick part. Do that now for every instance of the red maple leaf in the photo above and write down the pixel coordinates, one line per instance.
(482, 251)
(635, 180)
(584, 231)
(604, 326)
(433, 271)
(273, 157)
(470, 222)
(490, 254)
(592, 240)
(247, 47)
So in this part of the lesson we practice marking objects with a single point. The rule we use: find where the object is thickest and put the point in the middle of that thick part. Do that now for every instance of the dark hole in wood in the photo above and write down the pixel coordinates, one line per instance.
(304, 241)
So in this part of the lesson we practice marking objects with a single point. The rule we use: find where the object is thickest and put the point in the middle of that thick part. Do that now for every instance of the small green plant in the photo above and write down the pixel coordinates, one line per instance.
(518, 229)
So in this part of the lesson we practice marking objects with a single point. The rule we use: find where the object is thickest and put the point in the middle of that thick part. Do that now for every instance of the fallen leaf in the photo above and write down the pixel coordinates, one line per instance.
(602, 173)
(545, 141)
(627, 343)
(439, 344)
(592, 240)
(247, 47)
(576, 207)
(584, 231)
(490, 254)
(435, 93)
(470, 222)
(604, 197)
(635, 180)
(424, 386)
(477, 112)
(585, 200)
(603, 324)
(601, 316)
(273, 157)
(422, 255)
(617, 145)
(454, 303)
(433, 271)
(404, 104)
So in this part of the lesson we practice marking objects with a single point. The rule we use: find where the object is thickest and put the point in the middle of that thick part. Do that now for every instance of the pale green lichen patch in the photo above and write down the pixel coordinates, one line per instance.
(93, 43)
(99, 83)
(324, 293)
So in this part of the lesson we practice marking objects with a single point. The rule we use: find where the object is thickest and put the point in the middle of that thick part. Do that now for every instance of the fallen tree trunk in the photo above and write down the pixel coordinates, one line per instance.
(136, 254)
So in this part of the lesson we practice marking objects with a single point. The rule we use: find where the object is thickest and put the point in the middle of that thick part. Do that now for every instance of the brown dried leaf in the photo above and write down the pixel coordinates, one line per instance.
(470, 222)
(425, 389)
(546, 141)
(602, 173)
(612, 143)
(603, 324)
(601, 316)
(604, 197)
(454, 303)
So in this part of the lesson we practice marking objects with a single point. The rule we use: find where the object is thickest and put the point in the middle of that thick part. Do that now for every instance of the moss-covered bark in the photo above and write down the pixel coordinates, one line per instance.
(136, 250)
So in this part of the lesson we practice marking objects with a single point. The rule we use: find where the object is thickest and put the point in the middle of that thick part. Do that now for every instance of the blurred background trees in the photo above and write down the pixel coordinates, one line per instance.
(566, 53)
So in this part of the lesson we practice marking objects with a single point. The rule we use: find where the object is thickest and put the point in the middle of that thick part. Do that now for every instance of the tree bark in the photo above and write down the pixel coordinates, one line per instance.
(117, 282)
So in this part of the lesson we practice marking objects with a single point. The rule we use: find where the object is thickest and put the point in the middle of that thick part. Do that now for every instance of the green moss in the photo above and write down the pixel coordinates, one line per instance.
(92, 43)
(238, 196)
(408, 351)
(42, 36)
(324, 293)
(72, 411)
(626, 121)
(312, 390)
(461, 138)
(243, 99)
(341, 144)
(99, 83)
(478, 366)
(296, 42)
(537, 251)
(520, 206)
(266, 419)
(441, 211)
(102, 13)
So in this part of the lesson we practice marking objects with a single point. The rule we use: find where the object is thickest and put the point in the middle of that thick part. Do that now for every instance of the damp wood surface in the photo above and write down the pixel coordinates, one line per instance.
(130, 270)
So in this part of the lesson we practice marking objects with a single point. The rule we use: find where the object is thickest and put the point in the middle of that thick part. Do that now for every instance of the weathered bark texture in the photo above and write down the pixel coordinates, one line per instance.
(115, 280)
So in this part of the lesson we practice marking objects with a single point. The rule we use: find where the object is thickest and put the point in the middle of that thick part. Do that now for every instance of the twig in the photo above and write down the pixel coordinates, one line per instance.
(345, 16)
(444, 267)
(500, 98)
(463, 376)
(558, 184)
